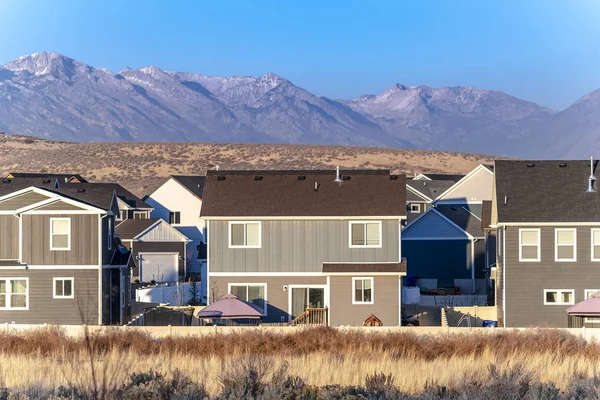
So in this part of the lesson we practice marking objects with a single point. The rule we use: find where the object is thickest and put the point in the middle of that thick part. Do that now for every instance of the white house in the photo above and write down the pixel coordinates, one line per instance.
(178, 201)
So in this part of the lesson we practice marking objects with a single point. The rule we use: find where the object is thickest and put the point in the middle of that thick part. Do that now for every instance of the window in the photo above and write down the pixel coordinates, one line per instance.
(591, 320)
(415, 208)
(60, 234)
(140, 215)
(529, 245)
(362, 289)
(244, 234)
(365, 234)
(252, 293)
(559, 297)
(566, 244)
(595, 244)
(175, 217)
(110, 233)
(590, 292)
(14, 293)
(64, 288)
(119, 216)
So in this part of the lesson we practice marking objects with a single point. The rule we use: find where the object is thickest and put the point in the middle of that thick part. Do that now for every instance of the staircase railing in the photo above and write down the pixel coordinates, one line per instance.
(312, 316)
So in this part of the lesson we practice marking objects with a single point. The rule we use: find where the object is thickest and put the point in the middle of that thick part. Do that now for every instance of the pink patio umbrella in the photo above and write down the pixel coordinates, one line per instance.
(230, 307)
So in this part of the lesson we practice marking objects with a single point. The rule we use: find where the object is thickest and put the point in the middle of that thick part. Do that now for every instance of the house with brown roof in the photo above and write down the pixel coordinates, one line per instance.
(547, 217)
(307, 246)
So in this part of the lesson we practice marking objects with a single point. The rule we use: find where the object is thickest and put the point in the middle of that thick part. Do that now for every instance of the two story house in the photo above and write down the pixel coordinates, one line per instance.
(548, 233)
(59, 260)
(295, 241)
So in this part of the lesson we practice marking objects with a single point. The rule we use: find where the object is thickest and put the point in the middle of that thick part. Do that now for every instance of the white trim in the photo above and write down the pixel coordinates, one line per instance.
(22, 267)
(109, 231)
(461, 181)
(556, 245)
(266, 303)
(56, 198)
(245, 223)
(159, 253)
(326, 294)
(300, 274)
(72, 296)
(592, 244)
(99, 267)
(418, 193)
(586, 291)
(365, 246)
(301, 218)
(399, 301)
(363, 278)
(420, 177)
(433, 210)
(140, 212)
(68, 248)
(440, 238)
(504, 275)
(160, 222)
(62, 266)
(596, 224)
(61, 212)
(559, 292)
(27, 190)
(20, 239)
(418, 210)
(8, 293)
(539, 246)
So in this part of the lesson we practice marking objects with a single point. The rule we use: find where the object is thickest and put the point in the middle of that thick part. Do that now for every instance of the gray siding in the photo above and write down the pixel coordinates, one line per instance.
(20, 201)
(384, 307)
(298, 246)
(525, 282)
(410, 217)
(84, 240)
(9, 237)
(43, 309)
(60, 206)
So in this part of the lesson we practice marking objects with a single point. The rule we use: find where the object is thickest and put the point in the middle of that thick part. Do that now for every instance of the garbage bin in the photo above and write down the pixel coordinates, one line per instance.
(490, 324)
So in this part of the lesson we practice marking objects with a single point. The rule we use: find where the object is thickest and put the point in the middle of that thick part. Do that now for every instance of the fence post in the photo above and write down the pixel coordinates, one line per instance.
(6, 327)
(170, 330)
(583, 332)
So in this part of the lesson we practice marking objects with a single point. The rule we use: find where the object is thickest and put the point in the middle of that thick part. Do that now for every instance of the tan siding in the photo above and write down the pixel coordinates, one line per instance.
(162, 233)
(298, 246)
(21, 201)
(525, 282)
(83, 308)
(84, 240)
(477, 188)
(9, 237)
(59, 206)
(385, 304)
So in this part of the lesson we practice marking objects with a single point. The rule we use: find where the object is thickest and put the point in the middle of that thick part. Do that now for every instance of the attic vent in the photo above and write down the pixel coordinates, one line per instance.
(530, 165)
(562, 165)
(345, 178)
(220, 178)
(393, 177)
(317, 184)
(5, 180)
(80, 190)
(258, 178)
(301, 177)
(45, 180)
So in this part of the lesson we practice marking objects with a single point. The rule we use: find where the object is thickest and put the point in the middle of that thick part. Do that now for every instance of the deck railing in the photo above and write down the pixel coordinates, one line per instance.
(312, 316)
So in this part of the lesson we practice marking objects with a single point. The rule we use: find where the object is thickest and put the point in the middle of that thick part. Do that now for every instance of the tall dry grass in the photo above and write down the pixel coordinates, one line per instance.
(321, 356)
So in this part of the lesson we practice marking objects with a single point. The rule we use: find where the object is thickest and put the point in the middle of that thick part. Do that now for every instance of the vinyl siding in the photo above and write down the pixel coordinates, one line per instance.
(410, 217)
(162, 233)
(84, 240)
(9, 237)
(477, 188)
(60, 206)
(298, 246)
(43, 309)
(157, 247)
(432, 225)
(26, 199)
(525, 281)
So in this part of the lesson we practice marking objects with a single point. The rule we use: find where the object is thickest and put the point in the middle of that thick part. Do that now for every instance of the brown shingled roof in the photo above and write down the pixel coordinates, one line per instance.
(365, 268)
(303, 193)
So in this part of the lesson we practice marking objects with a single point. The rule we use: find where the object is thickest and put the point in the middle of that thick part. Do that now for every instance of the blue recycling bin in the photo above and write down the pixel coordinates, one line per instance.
(490, 324)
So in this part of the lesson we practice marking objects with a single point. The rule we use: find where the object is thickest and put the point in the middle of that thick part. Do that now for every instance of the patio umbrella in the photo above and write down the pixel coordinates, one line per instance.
(230, 307)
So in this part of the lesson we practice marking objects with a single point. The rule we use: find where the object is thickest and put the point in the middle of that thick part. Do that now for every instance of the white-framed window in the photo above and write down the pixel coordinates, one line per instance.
(140, 215)
(565, 244)
(255, 293)
(595, 244)
(415, 208)
(244, 234)
(60, 233)
(119, 215)
(529, 245)
(363, 291)
(174, 217)
(590, 292)
(63, 288)
(110, 233)
(591, 320)
(365, 234)
(14, 293)
(559, 296)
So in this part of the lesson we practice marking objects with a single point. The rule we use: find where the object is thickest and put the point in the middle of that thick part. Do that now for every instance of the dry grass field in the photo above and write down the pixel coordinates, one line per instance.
(505, 365)
(141, 166)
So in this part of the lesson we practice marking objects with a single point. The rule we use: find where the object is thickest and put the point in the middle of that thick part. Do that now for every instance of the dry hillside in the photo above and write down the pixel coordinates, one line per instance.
(141, 166)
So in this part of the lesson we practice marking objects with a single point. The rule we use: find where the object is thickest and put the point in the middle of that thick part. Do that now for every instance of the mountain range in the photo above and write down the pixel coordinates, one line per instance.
(51, 96)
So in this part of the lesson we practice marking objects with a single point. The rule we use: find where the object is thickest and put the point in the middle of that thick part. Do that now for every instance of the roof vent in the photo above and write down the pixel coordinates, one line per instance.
(346, 178)
(530, 165)
(393, 177)
(317, 184)
(258, 178)
(301, 177)
(562, 165)
(80, 190)
(5, 180)
(505, 200)
(45, 180)
(591, 178)
(220, 178)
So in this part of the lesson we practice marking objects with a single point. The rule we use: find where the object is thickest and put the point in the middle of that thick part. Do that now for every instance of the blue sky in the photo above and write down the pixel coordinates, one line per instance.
(544, 51)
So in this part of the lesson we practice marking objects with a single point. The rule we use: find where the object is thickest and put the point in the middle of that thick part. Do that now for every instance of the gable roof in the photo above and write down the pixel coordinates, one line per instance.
(439, 177)
(193, 183)
(8, 185)
(123, 194)
(413, 195)
(95, 196)
(63, 178)
(310, 193)
(464, 219)
(132, 229)
(429, 188)
(546, 191)
(433, 225)
(466, 178)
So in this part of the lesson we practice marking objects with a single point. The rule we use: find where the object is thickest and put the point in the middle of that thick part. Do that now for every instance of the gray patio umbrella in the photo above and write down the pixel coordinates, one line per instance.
(230, 307)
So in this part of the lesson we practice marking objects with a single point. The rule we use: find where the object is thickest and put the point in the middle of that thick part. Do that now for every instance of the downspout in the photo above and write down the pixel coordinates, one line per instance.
(473, 241)
(100, 266)
(504, 276)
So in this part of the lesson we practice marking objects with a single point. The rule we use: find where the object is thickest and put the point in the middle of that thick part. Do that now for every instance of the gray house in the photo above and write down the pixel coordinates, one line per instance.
(307, 244)
(548, 234)
(59, 260)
